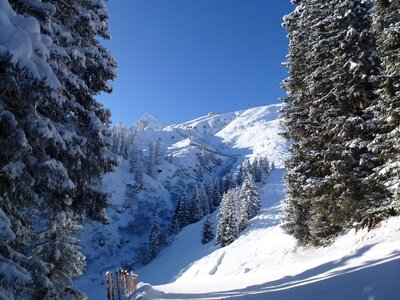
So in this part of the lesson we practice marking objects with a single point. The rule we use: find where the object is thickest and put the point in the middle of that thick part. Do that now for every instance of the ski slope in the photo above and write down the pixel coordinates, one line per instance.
(265, 263)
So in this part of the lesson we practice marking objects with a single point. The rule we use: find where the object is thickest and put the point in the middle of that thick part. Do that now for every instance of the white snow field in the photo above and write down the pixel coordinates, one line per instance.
(265, 263)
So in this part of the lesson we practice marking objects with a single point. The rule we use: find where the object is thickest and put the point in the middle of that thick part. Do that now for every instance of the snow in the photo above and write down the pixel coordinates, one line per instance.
(20, 38)
(265, 263)
(257, 130)
(149, 122)
(6, 233)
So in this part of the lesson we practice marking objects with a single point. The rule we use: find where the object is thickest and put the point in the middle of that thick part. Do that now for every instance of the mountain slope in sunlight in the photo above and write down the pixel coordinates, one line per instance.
(265, 263)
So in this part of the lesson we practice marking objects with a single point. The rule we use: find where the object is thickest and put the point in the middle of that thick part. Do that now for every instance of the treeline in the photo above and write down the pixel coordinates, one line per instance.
(235, 194)
(125, 145)
(343, 116)
(54, 141)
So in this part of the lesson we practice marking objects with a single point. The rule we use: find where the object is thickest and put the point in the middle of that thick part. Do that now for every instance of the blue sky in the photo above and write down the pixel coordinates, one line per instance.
(180, 59)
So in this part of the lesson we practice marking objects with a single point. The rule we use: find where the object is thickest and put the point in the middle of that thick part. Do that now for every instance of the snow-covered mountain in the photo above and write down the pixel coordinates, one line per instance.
(191, 153)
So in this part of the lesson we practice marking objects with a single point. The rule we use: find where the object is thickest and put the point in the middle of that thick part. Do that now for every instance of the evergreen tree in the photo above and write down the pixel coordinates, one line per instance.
(135, 159)
(181, 216)
(250, 204)
(201, 194)
(228, 218)
(154, 239)
(151, 160)
(257, 171)
(174, 227)
(196, 208)
(214, 192)
(207, 233)
(59, 245)
(229, 182)
(157, 154)
(386, 145)
(183, 212)
(118, 138)
(55, 142)
(332, 62)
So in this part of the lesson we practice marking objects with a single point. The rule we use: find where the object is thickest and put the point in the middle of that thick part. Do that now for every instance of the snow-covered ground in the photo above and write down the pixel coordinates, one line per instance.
(265, 263)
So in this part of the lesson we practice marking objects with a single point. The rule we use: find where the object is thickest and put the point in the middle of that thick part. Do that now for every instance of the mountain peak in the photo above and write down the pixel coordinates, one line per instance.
(149, 122)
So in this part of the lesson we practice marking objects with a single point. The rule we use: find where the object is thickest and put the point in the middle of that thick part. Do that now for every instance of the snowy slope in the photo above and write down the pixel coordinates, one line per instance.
(257, 132)
(209, 138)
(264, 263)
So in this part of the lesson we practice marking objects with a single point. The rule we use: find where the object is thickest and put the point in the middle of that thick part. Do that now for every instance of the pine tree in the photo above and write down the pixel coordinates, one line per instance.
(257, 172)
(183, 212)
(196, 207)
(154, 239)
(62, 141)
(228, 218)
(229, 182)
(59, 245)
(135, 159)
(181, 216)
(386, 145)
(151, 160)
(157, 153)
(201, 194)
(249, 200)
(214, 192)
(332, 62)
(207, 233)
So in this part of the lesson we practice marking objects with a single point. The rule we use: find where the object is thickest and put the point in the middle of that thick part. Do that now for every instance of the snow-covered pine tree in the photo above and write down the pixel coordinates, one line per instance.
(154, 239)
(296, 111)
(13, 277)
(118, 135)
(228, 218)
(386, 145)
(135, 159)
(265, 165)
(214, 192)
(60, 247)
(202, 196)
(183, 211)
(229, 182)
(196, 206)
(331, 62)
(151, 160)
(174, 226)
(21, 88)
(157, 153)
(240, 175)
(207, 233)
(257, 171)
(249, 201)
(62, 132)
(181, 216)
